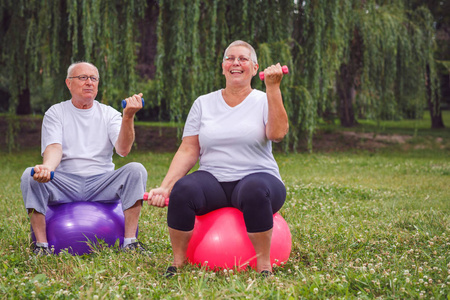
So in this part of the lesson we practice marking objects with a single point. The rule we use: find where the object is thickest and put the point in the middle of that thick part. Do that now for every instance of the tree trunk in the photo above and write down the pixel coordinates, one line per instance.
(346, 92)
(24, 106)
(347, 78)
(434, 106)
(148, 40)
(436, 115)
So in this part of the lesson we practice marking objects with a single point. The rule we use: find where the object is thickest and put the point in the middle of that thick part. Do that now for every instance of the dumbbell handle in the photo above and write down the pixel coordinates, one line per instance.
(146, 198)
(124, 103)
(52, 174)
(285, 70)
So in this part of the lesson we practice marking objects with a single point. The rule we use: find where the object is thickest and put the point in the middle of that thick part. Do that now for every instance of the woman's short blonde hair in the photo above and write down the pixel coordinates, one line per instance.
(253, 56)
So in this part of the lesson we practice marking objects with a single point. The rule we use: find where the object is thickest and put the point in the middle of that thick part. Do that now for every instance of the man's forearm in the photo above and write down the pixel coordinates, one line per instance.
(52, 156)
(126, 137)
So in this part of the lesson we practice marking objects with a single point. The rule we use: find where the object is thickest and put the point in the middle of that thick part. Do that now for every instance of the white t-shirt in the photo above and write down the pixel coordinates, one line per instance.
(233, 141)
(87, 136)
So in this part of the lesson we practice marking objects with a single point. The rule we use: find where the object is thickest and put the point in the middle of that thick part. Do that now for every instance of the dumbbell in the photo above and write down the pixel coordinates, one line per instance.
(285, 70)
(146, 198)
(124, 103)
(52, 174)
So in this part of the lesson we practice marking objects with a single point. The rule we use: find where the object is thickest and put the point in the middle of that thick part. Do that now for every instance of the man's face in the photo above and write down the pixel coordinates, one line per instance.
(83, 90)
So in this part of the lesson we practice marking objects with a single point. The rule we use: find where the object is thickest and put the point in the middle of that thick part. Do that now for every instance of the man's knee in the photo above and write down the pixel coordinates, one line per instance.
(26, 176)
(135, 168)
(135, 172)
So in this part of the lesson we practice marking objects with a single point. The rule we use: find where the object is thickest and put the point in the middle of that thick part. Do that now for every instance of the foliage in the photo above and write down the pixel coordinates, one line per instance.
(406, 49)
(379, 53)
(44, 37)
(12, 131)
(315, 38)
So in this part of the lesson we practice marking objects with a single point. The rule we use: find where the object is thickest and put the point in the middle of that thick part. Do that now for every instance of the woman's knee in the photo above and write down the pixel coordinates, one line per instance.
(181, 211)
(260, 191)
(184, 191)
(254, 193)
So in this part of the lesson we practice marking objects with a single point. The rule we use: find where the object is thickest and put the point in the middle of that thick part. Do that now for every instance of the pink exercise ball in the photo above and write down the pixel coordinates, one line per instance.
(220, 241)
(76, 225)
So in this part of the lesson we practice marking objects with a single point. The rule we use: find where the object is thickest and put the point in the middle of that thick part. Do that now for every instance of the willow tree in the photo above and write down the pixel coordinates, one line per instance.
(363, 58)
(397, 47)
(320, 38)
(351, 57)
(356, 58)
(41, 38)
(192, 36)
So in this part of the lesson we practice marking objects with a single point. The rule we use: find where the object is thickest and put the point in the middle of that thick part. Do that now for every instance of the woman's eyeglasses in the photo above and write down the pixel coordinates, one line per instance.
(241, 59)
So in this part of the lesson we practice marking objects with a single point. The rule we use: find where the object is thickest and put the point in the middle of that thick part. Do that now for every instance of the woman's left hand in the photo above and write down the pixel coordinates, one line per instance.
(273, 75)
(157, 197)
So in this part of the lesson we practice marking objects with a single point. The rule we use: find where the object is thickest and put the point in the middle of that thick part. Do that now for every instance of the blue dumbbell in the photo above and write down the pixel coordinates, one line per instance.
(52, 174)
(124, 103)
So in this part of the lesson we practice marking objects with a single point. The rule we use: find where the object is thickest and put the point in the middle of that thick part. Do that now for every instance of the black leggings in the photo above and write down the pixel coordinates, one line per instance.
(257, 195)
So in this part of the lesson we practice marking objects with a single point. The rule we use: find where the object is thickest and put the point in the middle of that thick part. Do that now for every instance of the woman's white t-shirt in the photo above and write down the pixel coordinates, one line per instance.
(233, 141)
(87, 136)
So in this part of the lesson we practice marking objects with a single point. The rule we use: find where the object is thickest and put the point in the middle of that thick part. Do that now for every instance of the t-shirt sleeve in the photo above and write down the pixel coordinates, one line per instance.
(52, 132)
(265, 109)
(192, 125)
(114, 124)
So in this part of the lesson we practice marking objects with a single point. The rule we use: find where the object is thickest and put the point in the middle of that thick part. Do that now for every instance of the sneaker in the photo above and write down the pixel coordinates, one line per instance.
(170, 272)
(136, 247)
(41, 251)
(265, 274)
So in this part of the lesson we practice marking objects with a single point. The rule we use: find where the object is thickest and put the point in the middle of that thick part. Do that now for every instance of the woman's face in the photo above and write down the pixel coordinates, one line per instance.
(238, 67)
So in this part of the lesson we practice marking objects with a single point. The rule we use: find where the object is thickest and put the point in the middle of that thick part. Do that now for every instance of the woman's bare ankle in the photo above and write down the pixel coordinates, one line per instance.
(264, 267)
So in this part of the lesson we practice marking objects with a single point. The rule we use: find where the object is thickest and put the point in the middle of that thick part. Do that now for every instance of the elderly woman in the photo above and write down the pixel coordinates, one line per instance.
(230, 131)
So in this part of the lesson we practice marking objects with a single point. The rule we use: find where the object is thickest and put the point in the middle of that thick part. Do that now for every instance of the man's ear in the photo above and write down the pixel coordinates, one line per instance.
(68, 83)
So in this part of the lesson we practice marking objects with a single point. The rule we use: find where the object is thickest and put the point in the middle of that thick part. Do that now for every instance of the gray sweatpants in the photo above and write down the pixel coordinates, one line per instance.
(126, 184)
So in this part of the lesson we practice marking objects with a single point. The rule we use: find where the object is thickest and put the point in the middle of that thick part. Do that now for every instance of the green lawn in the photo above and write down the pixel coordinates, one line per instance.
(409, 127)
(363, 224)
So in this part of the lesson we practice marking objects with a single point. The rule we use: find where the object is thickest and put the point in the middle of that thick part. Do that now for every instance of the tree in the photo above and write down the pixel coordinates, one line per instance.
(441, 20)
(44, 37)
(40, 39)
(354, 58)
(357, 58)
(16, 64)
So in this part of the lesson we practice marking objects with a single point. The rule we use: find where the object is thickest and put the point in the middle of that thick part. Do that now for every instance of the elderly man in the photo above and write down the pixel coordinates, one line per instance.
(78, 137)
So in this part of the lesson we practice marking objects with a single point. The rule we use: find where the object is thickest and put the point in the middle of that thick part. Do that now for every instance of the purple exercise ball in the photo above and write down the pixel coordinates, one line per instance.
(76, 226)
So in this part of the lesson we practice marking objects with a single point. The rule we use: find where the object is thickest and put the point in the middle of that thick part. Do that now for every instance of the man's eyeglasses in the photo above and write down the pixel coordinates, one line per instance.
(85, 77)
(242, 59)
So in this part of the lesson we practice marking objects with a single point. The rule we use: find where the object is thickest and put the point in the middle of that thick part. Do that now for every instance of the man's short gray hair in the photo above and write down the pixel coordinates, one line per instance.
(72, 66)
(253, 56)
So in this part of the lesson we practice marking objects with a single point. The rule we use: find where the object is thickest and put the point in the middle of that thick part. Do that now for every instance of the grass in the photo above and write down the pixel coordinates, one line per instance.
(364, 225)
(419, 127)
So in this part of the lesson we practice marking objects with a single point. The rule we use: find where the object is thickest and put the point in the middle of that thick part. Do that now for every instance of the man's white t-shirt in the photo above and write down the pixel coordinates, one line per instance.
(87, 136)
(233, 141)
